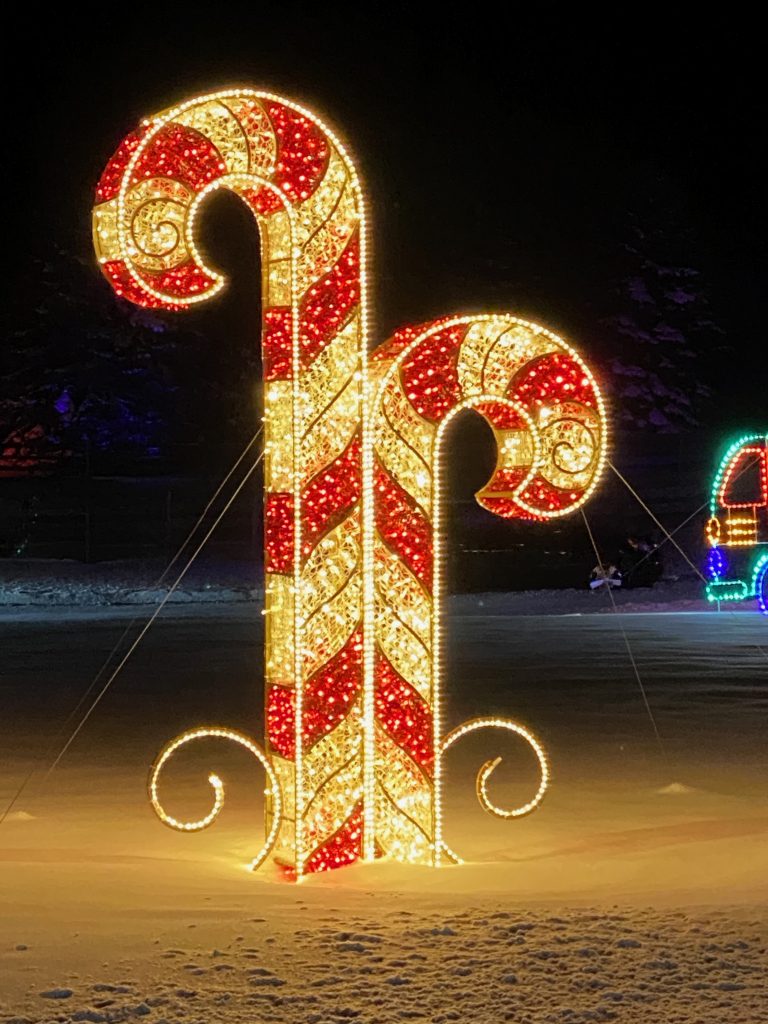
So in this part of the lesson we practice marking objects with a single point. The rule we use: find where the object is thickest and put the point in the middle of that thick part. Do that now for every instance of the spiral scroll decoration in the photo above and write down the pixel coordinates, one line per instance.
(489, 767)
(214, 732)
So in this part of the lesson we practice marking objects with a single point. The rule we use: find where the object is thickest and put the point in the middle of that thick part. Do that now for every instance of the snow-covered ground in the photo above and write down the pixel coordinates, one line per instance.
(64, 582)
(44, 583)
(637, 893)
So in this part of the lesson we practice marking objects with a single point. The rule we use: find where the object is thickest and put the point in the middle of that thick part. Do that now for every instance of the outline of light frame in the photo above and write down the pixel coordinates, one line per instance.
(738, 529)
(367, 413)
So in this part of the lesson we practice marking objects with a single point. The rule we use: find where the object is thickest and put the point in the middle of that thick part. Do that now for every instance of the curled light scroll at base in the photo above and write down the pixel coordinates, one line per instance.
(488, 768)
(215, 732)
(447, 855)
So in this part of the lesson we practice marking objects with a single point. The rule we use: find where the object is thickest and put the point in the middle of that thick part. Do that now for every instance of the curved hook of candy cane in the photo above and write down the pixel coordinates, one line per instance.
(490, 766)
(215, 732)
(271, 152)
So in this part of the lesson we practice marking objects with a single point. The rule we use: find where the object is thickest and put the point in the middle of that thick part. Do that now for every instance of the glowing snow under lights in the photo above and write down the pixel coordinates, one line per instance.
(353, 527)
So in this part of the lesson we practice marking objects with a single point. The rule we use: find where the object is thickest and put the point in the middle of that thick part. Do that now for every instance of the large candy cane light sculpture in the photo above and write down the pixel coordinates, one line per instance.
(304, 192)
(352, 471)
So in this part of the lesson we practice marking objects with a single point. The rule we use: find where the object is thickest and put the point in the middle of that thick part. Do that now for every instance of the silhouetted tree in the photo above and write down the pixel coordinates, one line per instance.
(660, 339)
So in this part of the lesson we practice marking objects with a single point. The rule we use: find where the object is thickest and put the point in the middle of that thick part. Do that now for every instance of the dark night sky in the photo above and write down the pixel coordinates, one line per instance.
(496, 150)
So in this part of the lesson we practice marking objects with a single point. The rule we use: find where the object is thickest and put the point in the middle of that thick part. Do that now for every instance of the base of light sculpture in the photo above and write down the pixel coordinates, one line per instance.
(442, 853)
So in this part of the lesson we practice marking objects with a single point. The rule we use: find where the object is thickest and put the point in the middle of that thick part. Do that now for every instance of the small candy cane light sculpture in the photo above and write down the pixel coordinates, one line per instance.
(548, 419)
(352, 475)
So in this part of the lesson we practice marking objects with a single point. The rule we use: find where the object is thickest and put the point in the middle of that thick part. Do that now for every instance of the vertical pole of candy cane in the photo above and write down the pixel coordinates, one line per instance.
(549, 422)
(304, 191)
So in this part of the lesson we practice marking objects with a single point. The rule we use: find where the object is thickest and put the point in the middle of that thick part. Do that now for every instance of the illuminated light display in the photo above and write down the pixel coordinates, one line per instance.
(739, 522)
(490, 766)
(760, 583)
(547, 416)
(213, 732)
(296, 177)
(352, 522)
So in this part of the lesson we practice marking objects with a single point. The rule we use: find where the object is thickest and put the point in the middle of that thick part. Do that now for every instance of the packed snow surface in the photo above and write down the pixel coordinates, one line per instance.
(637, 893)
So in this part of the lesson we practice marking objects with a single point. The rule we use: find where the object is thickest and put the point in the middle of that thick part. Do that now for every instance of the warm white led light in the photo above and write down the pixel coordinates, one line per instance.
(488, 768)
(214, 732)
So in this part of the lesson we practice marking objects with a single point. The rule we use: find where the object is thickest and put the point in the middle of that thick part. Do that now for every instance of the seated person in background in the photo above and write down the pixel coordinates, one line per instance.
(604, 576)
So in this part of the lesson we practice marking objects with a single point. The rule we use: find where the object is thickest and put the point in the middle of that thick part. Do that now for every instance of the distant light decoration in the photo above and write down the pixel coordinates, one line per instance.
(760, 583)
(352, 511)
(717, 566)
(739, 521)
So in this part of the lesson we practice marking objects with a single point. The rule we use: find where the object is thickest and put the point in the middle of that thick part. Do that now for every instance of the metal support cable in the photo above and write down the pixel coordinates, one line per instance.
(149, 622)
(627, 644)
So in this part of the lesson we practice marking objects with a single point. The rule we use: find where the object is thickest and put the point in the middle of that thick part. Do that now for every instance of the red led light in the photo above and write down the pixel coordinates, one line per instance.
(111, 177)
(343, 848)
(181, 153)
(278, 532)
(276, 343)
(263, 201)
(183, 281)
(505, 480)
(401, 339)
(508, 508)
(551, 379)
(127, 287)
(541, 494)
(331, 494)
(327, 700)
(403, 714)
(403, 526)
(502, 416)
(429, 375)
(302, 152)
(329, 303)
